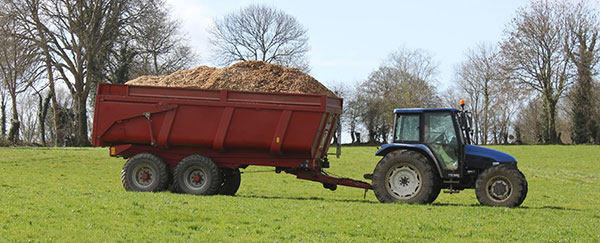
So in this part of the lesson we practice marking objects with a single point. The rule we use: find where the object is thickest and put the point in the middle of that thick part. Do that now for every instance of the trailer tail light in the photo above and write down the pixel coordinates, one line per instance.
(113, 151)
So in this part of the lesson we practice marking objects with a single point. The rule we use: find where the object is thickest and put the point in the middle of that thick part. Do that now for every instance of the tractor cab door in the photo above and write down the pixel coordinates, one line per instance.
(441, 136)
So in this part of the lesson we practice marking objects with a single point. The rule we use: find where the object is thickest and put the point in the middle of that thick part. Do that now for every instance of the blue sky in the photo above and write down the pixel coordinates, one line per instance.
(350, 39)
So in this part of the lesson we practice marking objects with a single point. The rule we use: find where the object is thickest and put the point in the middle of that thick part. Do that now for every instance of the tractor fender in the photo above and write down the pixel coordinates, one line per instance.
(421, 148)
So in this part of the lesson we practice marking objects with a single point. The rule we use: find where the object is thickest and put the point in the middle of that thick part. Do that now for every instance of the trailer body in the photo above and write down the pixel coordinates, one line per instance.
(234, 128)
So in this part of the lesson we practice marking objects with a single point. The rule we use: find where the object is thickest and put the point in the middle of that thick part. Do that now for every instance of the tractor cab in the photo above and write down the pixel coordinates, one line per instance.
(436, 129)
(431, 150)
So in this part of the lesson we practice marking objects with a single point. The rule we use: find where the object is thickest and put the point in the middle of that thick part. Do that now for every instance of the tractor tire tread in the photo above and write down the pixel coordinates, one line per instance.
(431, 181)
(231, 181)
(157, 162)
(517, 179)
(215, 175)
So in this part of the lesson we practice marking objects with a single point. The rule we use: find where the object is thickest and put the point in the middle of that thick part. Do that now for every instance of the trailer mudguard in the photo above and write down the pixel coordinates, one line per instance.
(421, 148)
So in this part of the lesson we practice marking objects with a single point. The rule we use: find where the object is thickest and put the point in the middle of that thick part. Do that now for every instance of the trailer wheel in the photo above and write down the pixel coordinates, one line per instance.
(197, 175)
(503, 186)
(231, 181)
(405, 176)
(145, 172)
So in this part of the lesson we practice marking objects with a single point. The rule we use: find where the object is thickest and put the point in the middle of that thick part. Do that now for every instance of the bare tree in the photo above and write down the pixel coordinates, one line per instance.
(80, 42)
(583, 26)
(78, 39)
(404, 80)
(478, 77)
(260, 33)
(42, 111)
(529, 123)
(19, 67)
(352, 113)
(158, 45)
(28, 13)
(536, 55)
(505, 103)
(28, 118)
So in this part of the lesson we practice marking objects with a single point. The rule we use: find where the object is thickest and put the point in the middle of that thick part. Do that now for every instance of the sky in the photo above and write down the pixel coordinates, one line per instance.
(350, 39)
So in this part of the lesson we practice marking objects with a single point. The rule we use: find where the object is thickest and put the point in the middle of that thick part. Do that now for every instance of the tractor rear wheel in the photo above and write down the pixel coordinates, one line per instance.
(145, 172)
(231, 181)
(405, 176)
(197, 175)
(503, 186)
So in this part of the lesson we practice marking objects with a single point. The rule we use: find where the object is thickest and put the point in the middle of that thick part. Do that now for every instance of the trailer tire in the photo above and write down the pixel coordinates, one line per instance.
(501, 186)
(231, 181)
(145, 172)
(198, 175)
(405, 176)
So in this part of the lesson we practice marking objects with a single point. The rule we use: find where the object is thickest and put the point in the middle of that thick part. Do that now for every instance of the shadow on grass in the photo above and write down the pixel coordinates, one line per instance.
(372, 202)
(521, 207)
(308, 199)
(553, 208)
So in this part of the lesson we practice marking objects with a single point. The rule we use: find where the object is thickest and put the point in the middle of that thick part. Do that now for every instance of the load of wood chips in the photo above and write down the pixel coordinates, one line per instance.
(244, 76)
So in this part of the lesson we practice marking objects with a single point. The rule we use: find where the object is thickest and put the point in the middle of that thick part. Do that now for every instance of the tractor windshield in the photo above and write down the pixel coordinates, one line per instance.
(407, 128)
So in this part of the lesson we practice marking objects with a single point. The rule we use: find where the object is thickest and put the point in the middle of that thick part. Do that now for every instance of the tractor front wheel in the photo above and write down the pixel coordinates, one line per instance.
(503, 186)
(405, 176)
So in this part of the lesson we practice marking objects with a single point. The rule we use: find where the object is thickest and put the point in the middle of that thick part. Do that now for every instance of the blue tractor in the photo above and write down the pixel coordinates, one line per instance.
(432, 150)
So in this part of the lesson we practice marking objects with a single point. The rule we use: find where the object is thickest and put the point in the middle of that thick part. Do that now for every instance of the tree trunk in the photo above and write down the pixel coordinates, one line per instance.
(58, 137)
(372, 135)
(352, 129)
(42, 113)
(40, 121)
(486, 105)
(3, 117)
(13, 133)
(81, 138)
(549, 135)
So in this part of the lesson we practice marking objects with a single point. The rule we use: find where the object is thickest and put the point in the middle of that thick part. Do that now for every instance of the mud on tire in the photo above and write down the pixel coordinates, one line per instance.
(405, 176)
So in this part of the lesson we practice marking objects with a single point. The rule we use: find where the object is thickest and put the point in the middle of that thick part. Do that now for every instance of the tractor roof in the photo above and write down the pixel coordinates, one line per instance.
(419, 110)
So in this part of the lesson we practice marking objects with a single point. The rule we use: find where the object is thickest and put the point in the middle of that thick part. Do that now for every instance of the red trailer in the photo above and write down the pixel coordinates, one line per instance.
(197, 140)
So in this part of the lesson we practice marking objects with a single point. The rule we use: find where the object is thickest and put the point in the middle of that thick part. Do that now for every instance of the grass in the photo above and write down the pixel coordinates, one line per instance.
(75, 195)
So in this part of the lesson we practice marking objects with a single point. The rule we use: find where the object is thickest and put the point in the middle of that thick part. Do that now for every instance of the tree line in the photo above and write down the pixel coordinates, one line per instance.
(55, 52)
(536, 85)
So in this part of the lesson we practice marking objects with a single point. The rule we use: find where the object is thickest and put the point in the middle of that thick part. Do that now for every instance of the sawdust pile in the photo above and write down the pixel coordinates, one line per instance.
(244, 76)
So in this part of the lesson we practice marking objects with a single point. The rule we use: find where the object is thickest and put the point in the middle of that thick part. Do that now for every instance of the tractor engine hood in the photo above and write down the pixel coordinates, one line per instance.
(488, 154)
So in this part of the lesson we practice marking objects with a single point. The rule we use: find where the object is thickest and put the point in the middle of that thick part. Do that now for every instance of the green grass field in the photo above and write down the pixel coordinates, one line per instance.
(74, 195)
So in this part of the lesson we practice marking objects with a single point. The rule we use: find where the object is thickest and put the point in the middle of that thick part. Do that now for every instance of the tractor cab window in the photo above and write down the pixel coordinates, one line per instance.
(440, 135)
(407, 128)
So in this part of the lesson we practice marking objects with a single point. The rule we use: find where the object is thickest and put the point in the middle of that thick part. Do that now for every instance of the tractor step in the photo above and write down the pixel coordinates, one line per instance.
(451, 191)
